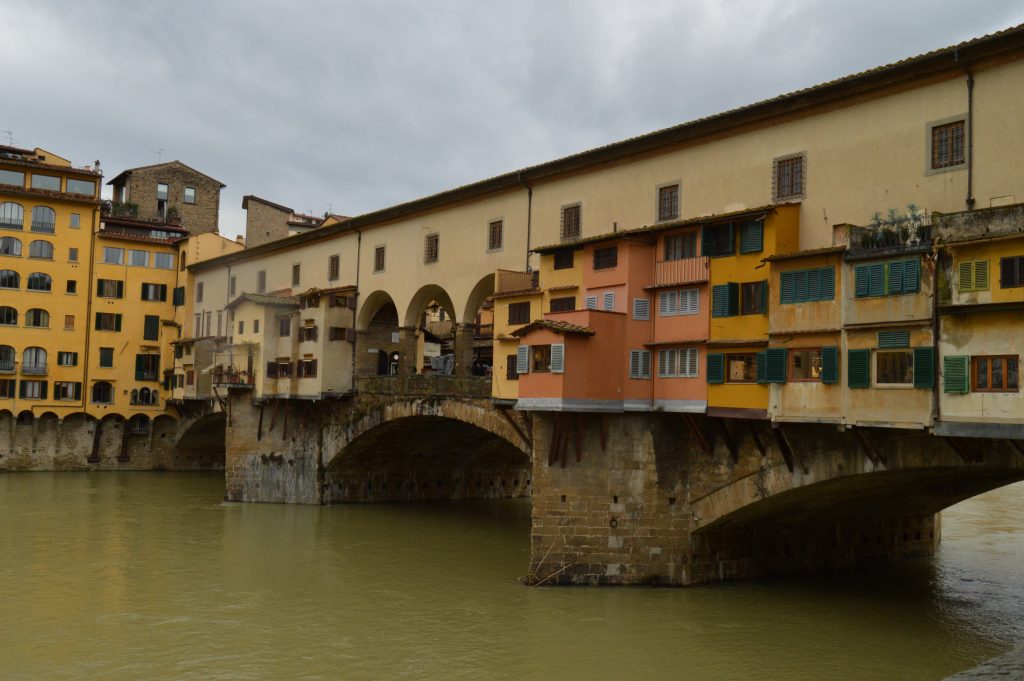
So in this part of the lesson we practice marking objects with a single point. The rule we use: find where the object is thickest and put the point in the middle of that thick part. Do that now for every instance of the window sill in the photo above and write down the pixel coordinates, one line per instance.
(894, 386)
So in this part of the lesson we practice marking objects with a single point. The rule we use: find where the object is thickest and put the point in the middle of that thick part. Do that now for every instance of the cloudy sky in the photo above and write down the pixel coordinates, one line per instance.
(354, 106)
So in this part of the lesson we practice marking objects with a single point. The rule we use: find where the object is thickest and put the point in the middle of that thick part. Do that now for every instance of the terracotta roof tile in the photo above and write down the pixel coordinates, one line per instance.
(554, 325)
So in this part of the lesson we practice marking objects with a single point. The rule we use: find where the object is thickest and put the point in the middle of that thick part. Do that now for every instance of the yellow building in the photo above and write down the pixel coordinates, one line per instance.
(48, 213)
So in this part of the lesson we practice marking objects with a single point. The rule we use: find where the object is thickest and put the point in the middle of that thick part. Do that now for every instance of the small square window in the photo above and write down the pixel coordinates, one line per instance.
(789, 177)
(378, 258)
(333, 268)
(431, 248)
(106, 358)
(261, 281)
(564, 259)
(190, 194)
(572, 221)
(69, 322)
(894, 367)
(495, 235)
(668, 202)
(72, 255)
(741, 367)
(296, 274)
(76, 221)
(72, 286)
(947, 145)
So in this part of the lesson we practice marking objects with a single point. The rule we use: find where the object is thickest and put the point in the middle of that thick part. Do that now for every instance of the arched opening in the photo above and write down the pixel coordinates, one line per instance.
(201, 446)
(378, 350)
(420, 458)
(475, 343)
(431, 317)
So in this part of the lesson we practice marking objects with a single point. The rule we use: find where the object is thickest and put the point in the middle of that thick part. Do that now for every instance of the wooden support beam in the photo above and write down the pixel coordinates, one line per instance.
(563, 448)
(284, 426)
(555, 439)
(273, 417)
(604, 432)
(259, 426)
(868, 448)
(756, 438)
(694, 427)
(528, 423)
(963, 449)
(730, 443)
(1016, 445)
(579, 436)
(787, 453)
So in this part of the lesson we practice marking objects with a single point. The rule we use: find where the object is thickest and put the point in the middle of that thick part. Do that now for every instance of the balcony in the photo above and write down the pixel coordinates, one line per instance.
(234, 378)
(33, 369)
(684, 271)
(910, 233)
(507, 281)
(7, 366)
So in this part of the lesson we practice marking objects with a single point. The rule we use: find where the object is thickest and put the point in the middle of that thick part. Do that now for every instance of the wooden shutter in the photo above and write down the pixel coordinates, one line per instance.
(752, 237)
(523, 359)
(707, 235)
(591, 302)
(761, 366)
(911, 276)
(981, 275)
(894, 339)
(801, 290)
(557, 358)
(179, 296)
(271, 369)
(1011, 271)
(665, 303)
(924, 367)
(641, 309)
(645, 363)
(140, 367)
(858, 368)
(715, 367)
(690, 357)
(776, 358)
(862, 278)
(966, 271)
(955, 374)
(895, 279)
(42, 390)
(689, 301)
(830, 365)
(876, 279)
(733, 300)
(634, 364)
(787, 288)
(78, 390)
(663, 362)
(720, 300)
(827, 283)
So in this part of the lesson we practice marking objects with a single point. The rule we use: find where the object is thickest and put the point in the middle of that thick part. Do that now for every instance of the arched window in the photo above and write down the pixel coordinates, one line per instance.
(144, 396)
(10, 279)
(40, 249)
(6, 358)
(135, 396)
(102, 392)
(38, 318)
(43, 219)
(39, 281)
(154, 397)
(10, 246)
(33, 361)
(8, 316)
(12, 216)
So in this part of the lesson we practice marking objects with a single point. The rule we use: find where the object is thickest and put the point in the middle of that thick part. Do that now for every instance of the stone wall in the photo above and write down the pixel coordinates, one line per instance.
(264, 223)
(197, 218)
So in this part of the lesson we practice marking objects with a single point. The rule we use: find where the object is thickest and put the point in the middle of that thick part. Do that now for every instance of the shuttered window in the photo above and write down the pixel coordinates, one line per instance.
(955, 374)
(887, 278)
(566, 304)
(608, 301)
(715, 368)
(641, 309)
(639, 363)
(858, 368)
(973, 275)
(806, 286)
(519, 313)
(894, 339)
(924, 367)
(523, 359)
(671, 303)
(557, 358)
(668, 303)
(830, 365)
(752, 236)
(677, 363)
(179, 296)
(606, 258)
(151, 328)
(718, 240)
(754, 297)
(771, 365)
(1011, 271)
(725, 300)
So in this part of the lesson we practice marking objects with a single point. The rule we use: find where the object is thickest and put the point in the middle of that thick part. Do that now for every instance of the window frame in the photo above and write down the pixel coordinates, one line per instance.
(605, 258)
(561, 255)
(667, 211)
(380, 254)
(1005, 373)
(930, 129)
(540, 356)
(495, 228)
(514, 319)
(791, 364)
(778, 186)
(571, 221)
(671, 253)
(877, 355)
(431, 248)
(752, 369)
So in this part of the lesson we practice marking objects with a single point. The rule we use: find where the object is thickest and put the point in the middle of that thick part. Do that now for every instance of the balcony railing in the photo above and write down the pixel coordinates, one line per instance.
(234, 378)
(34, 369)
(7, 366)
(684, 271)
(508, 280)
(912, 232)
(425, 385)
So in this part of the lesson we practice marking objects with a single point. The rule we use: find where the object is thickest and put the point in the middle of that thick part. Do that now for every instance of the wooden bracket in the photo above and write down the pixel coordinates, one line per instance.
(273, 417)
(579, 436)
(730, 443)
(556, 439)
(757, 440)
(604, 432)
(259, 426)
(1016, 445)
(694, 427)
(868, 448)
(787, 452)
(964, 450)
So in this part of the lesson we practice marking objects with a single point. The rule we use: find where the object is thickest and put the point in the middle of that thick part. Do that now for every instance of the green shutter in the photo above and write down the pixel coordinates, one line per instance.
(179, 296)
(162, 291)
(894, 339)
(787, 287)
(140, 367)
(801, 291)
(924, 367)
(733, 301)
(120, 289)
(716, 368)
(776, 359)
(720, 300)
(78, 390)
(981, 275)
(830, 365)
(876, 279)
(954, 374)
(895, 279)
(151, 328)
(42, 389)
(858, 368)
(763, 288)
(911, 276)
(862, 276)
(966, 270)
(752, 237)
(826, 283)
(117, 322)
(761, 367)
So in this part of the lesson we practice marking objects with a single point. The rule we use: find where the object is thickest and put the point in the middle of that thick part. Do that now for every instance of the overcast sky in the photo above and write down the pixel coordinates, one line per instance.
(355, 106)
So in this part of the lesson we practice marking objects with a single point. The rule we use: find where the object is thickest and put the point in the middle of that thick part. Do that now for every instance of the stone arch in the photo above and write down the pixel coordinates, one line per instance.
(371, 306)
(422, 298)
(483, 290)
(200, 446)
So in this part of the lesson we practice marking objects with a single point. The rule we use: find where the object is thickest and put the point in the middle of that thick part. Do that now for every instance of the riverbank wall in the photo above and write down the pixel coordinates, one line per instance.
(1008, 667)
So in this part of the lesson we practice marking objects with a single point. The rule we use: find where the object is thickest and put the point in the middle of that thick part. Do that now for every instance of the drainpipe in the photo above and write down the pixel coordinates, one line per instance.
(970, 141)
(359, 256)
(529, 218)
(936, 393)
(88, 310)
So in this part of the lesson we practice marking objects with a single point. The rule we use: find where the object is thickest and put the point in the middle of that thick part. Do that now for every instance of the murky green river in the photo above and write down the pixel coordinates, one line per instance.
(151, 576)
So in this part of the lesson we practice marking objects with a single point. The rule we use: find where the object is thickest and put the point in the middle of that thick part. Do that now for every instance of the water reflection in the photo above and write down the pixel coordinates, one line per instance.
(152, 576)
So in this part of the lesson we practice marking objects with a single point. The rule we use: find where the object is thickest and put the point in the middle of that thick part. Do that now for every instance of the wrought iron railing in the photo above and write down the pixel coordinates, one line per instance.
(33, 369)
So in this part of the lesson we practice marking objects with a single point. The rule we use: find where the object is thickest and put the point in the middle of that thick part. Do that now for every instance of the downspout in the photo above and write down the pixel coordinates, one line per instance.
(936, 393)
(529, 218)
(355, 331)
(970, 141)
(88, 309)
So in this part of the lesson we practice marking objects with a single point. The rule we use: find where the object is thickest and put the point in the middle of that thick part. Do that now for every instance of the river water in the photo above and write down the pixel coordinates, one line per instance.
(151, 576)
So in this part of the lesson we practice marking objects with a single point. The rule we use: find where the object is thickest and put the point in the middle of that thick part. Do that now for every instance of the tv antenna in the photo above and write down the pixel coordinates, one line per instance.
(159, 154)
(10, 137)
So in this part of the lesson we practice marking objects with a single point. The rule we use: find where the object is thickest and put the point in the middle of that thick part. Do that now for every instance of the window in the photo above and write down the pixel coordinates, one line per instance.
(261, 281)
(138, 258)
(947, 145)
(894, 366)
(805, 286)
(241, 327)
(754, 297)
(108, 321)
(12, 177)
(161, 199)
(606, 258)
(44, 219)
(231, 285)
(67, 390)
(519, 313)
(182, 260)
(220, 323)
(333, 268)
(639, 363)
(113, 256)
(33, 390)
(296, 274)
(151, 327)
(997, 373)
(510, 368)
(495, 235)
(109, 288)
(307, 334)
(590, 302)
(677, 363)
(887, 278)
(741, 367)
(284, 329)
(156, 292)
(6, 358)
(973, 275)
(83, 187)
(39, 281)
(565, 304)
(725, 300)
(378, 258)
(540, 358)
(69, 322)
(37, 318)
(680, 246)
(102, 393)
(10, 279)
(48, 182)
(40, 249)
(1011, 271)
(751, 236)
(67, 359)
(563, 259)
(163, 261)
(8, 316)
(805, 364)
(608, 301)
(106, 358)
(10, 246)
(72, 255)
(672, 303)
(190, 195)
(7, 388)
(431, 247)
(76, 221)
(255, 326)
(199, 291)
(306, 368)
(718, 240)
(641, 309)
(178, 297)
(12, 216)
(571, 221)
(668, 202)
(147, 367)
(788, 177)
(71, 286)
(33, 361)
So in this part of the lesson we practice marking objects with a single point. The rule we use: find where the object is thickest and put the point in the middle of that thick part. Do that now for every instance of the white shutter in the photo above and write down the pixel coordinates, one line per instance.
(672, 362)
(645, 364)
(591, 302)
(663, 303)
(691, 362)
(609, 301)
(689, 301)
(641, 309)
(634, 364)
(663, 363)
(523, 359)
(557, 358)
(673, 302)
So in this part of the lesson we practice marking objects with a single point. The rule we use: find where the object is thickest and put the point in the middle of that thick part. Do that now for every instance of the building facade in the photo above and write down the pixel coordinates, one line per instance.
(169, 191)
